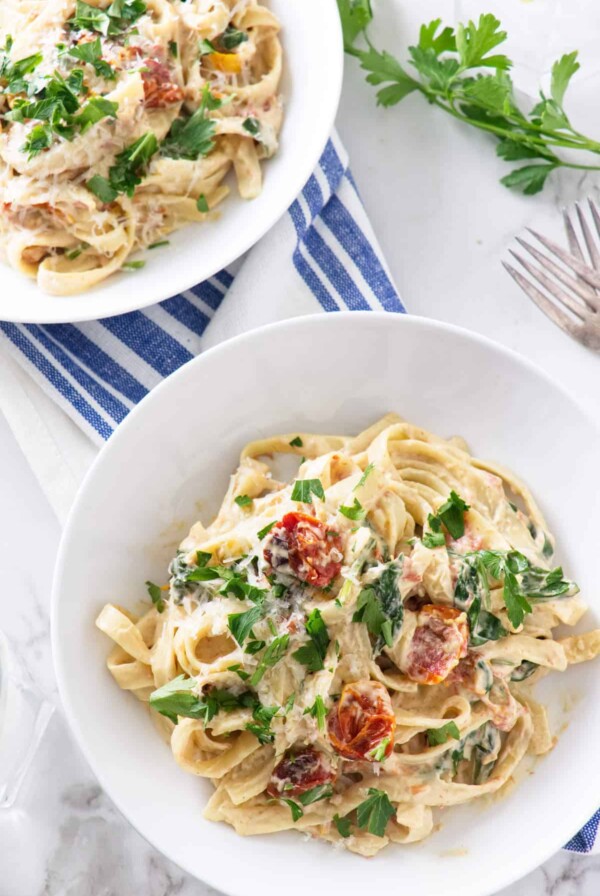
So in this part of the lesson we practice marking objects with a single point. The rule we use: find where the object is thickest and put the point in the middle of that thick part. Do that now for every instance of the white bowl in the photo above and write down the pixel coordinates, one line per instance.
(312, 82)
(327, 373)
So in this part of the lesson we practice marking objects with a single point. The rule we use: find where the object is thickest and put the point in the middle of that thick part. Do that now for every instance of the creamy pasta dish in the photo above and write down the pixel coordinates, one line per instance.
(120, 122)
(347, 653)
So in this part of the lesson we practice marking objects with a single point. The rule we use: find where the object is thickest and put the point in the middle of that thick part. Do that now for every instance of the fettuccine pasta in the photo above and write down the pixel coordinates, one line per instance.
(345, 654)
(120, 123)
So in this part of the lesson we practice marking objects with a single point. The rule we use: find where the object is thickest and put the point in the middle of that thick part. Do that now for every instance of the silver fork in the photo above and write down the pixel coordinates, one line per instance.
(573, 284)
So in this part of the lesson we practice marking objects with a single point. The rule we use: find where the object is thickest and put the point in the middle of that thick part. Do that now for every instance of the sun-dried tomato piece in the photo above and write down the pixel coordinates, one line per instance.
(159, 90)
(303, 546)
(439, 641)
(300, 770)
(362, 724)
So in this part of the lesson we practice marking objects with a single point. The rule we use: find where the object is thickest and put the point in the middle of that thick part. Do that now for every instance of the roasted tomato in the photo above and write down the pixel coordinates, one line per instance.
(362, 723)
(439, 641)
(300, 770)
(301, 545)
(159, 90)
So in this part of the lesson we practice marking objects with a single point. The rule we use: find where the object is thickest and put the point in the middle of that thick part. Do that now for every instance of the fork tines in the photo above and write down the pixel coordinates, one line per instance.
(569, 279)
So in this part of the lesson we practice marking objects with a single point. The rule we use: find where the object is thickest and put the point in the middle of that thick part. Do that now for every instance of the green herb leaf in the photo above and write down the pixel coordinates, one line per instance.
(296, 442)
(355, 512)
(435, 538)
(530, 179)
(95, 110)
(261, 534)
(90, 52)
(101, 188)
(312, 654)
(343, 826)
(562, 72)
(272, 655)
(241, 624)
(318, 711)
(304, 488)
(243, 501)
(295, 809)
(202, 204)
(373, 814)
(437, 736)
(321, 792)
(368, 470)
(452, 515)
(355, 16)
(193, 138)
(156, 596)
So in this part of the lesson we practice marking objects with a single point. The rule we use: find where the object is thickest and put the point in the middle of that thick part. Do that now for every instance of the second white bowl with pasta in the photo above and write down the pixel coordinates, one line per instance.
(187, 128)
(348, 655)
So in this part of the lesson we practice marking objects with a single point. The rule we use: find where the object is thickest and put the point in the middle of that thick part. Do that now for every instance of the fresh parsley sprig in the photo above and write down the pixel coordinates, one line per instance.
(380, 608)
(373, 814)
(118, 17)
(192, 138)
(459, 71)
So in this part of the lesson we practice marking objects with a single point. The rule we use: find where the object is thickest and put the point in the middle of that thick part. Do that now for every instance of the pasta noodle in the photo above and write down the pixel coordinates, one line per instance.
(120, 123)
(351, 652)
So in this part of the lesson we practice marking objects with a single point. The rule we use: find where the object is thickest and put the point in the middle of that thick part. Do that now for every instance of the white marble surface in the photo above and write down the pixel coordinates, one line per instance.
(431, 190)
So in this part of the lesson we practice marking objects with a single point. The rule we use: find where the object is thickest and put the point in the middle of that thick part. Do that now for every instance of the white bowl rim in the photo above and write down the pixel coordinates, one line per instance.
(519, 867)
(74, 308)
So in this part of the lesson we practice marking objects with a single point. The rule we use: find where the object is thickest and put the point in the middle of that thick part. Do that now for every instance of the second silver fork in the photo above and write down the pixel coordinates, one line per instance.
(570, 294)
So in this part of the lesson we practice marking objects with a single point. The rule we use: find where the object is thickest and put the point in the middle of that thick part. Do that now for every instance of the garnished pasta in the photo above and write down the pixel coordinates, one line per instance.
(345, 654)
(120, 123)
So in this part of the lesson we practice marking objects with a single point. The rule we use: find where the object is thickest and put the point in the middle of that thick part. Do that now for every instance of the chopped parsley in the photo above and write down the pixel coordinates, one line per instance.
(178, 698)
(272, 655)
(261, 534)
(90, 52)
(192, 138)
(156, 596)
(252, 125)
(305, 488)
(243, 500)
(435, 538)
(12, 74)
(343, 826)
(128, 170)
(318, 711)
(202, 204)
(158, 244)
(173, 49)
(261, 727)
(320, 792)
(368, 470)
(355, 512)
(295, 809)
(452, 515)
(297, 442)
(241, 624)
(436, 736)
(373, 814)
(118, 17)
(312, 654)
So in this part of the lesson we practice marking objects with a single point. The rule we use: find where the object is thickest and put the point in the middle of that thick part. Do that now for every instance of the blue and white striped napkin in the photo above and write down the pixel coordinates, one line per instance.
(321, 256)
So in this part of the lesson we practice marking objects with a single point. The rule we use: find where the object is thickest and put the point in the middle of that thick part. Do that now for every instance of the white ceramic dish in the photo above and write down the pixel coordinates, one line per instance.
(324, 373)
(313, 67)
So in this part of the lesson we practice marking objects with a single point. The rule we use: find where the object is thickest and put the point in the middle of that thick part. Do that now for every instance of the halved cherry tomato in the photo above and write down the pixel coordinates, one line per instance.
(439, 641)
(300, 770)
(301, 545)
(159, 90)
(362, 724)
